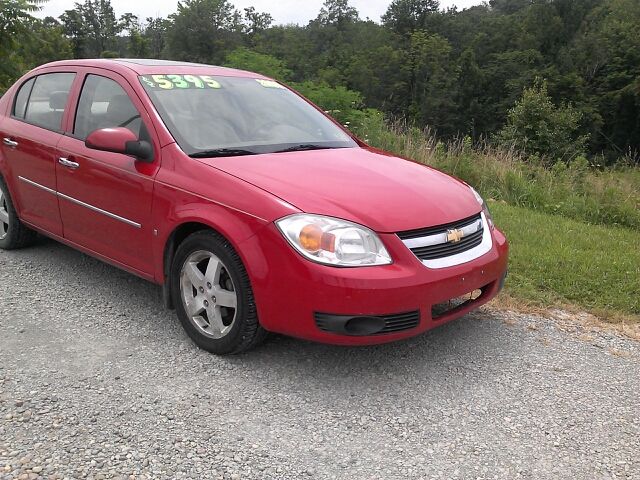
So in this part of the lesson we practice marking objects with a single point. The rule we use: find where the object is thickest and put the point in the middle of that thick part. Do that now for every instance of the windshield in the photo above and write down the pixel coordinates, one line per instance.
(213, 116)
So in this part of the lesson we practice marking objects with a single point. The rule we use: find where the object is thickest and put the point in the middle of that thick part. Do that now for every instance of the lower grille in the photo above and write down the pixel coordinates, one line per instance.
(400, 322)
(367, 324)
(444, 308)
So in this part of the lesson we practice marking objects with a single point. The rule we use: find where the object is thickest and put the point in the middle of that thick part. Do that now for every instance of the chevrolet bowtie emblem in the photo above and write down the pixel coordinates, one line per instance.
(454, 236)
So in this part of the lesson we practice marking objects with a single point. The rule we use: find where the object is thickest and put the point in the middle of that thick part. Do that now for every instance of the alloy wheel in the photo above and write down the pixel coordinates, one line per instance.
(208, 294)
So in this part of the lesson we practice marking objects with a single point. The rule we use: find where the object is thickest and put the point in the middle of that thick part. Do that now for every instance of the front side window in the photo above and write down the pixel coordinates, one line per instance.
(220, 116)
(104, 103)
(46, 101)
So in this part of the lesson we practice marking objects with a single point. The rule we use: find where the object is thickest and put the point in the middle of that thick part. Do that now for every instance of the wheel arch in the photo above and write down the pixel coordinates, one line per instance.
(176, 237)
(208, 244)
(174, 240)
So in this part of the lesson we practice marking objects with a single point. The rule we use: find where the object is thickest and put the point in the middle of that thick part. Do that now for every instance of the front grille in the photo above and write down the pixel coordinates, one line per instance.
(431, 243)
(394, 323)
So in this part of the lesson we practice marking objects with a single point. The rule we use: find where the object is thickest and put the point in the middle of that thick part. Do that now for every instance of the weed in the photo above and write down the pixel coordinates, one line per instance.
(585, 259)
(619, 353)
(577, 190)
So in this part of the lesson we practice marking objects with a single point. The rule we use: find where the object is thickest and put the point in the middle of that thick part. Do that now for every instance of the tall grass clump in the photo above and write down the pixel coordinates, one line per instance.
(576, 189)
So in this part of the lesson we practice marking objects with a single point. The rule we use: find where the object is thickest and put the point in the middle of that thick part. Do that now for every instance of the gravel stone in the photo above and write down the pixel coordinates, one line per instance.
(104, 384)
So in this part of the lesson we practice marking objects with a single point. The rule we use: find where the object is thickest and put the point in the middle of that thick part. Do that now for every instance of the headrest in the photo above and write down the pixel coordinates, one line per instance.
(58, 100)
(120, 109)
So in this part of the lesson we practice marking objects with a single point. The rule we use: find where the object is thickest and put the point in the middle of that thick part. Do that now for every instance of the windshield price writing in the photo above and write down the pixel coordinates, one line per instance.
(168, 82)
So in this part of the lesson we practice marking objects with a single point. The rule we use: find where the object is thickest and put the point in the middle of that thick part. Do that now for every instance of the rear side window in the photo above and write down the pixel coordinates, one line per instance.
(46, 101)
(20, 107)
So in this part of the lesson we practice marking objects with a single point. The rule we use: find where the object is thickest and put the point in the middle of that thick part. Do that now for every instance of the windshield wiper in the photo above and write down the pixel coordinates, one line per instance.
(304, 146)
(222, 152)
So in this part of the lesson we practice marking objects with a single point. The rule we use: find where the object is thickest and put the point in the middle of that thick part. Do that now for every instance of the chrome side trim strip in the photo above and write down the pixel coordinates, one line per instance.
(463, 257)
(90, 207)
(99, 210)
(46, 189)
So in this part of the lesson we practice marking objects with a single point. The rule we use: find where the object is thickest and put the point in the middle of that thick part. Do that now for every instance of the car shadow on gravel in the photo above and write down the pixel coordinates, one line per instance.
(133, 306)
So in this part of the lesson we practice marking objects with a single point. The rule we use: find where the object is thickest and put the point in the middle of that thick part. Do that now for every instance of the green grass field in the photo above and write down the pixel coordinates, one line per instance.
(556, 261)
(574, 230)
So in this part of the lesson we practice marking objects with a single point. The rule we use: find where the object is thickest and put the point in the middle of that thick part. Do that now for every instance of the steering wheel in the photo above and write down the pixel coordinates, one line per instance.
(264, 126)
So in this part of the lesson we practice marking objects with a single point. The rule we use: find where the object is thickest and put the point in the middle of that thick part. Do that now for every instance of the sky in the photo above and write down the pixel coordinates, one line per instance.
(283, 11)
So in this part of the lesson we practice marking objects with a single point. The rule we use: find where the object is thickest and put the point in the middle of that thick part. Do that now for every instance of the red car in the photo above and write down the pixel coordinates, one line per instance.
(252, 209)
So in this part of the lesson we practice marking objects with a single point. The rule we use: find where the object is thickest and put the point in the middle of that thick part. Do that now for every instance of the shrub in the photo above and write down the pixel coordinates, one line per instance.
(245, 59)
(574, 189)
(536, 128)
(342, 104)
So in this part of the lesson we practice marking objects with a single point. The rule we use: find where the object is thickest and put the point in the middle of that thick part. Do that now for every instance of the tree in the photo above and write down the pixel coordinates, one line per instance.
(93, 28)
(138, 45)
(408, 16)
(431, 79)
(256, 22)
(343, 105)
(535, 126)
(15, 20)
(337, 13)
(75, 30)
(292, 45)
(508, 7)
(245, 59)
(155, 30)
(203, 30)
(607, 57)
(102, 26)
(47, 44)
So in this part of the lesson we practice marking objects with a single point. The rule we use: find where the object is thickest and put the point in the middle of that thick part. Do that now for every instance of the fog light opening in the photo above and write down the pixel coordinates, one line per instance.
(364, 325)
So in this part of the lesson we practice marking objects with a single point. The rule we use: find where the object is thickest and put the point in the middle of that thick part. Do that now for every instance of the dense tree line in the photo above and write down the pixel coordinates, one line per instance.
(552, 78)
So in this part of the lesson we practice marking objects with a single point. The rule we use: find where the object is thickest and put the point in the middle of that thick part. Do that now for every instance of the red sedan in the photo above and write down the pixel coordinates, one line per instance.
(252, 209)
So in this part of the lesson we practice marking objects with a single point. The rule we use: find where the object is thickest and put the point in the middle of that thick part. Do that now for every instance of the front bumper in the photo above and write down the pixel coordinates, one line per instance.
(292, 293)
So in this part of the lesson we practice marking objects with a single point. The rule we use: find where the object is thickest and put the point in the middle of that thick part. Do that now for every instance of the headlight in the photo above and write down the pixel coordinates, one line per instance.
(333, 241)
(485, 207)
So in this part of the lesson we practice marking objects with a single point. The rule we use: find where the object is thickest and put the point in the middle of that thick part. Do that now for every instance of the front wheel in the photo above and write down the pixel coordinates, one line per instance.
(213, 295)
(13, 234)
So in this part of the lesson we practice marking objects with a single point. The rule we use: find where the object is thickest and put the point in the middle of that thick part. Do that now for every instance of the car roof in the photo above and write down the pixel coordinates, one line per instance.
(147, 66)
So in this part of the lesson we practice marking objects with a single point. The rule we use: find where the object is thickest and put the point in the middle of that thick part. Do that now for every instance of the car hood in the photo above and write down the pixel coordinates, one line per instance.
(384, 192)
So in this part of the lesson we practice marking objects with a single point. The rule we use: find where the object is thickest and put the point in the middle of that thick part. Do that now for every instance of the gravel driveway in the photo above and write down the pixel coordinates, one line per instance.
(98, 381)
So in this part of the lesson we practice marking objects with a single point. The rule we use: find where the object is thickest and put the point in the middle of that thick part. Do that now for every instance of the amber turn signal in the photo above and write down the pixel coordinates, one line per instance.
(313, 239)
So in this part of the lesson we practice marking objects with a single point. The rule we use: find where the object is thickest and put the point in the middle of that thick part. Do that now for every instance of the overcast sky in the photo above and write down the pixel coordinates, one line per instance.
(283, 11)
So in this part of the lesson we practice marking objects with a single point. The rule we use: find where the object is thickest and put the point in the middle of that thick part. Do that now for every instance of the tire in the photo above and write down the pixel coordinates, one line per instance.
(13, 233)
(213, 296)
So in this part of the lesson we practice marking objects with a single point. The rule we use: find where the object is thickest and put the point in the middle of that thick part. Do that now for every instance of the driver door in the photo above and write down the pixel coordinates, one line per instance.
(105, 198)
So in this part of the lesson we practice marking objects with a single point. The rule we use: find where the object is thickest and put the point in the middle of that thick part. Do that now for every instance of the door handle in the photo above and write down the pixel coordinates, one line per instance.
(68, 163)
(9, 142)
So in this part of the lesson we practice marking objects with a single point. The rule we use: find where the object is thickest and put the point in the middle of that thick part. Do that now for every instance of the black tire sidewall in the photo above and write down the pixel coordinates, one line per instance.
(211, 242)
(14, 230)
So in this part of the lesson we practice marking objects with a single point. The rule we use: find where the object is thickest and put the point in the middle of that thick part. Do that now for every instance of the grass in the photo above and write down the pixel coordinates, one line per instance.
(577, 190)
(563, 262)
(573, 229)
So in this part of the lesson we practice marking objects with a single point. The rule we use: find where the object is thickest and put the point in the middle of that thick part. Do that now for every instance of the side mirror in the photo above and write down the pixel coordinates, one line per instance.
(120, 140)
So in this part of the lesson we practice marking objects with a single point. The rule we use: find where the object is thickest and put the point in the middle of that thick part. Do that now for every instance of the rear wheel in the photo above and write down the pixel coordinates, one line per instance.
(213, 295)
(13, 234)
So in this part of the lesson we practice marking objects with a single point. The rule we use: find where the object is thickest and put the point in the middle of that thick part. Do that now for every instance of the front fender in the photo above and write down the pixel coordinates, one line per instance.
(189, 195)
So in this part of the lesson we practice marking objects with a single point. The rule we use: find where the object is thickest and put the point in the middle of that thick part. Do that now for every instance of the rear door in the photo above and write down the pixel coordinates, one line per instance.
(29, 139)
(105, 198)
